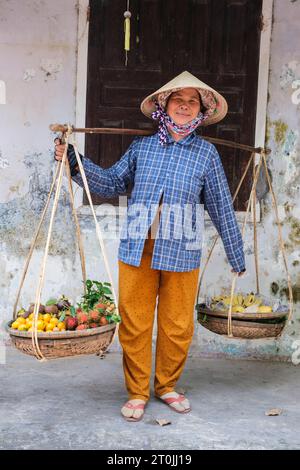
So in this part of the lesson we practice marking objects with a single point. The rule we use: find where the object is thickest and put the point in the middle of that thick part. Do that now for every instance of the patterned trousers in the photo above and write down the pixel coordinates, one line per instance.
(140, 289)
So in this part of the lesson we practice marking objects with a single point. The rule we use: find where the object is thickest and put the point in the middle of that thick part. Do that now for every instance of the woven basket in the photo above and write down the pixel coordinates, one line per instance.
(56, 345)
(256, 328)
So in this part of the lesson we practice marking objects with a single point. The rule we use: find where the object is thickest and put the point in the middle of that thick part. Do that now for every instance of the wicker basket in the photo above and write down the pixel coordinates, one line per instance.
(247, 326)
(56, 345)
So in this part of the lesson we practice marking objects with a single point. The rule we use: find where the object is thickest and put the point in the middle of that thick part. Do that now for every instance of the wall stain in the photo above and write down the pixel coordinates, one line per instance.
(281, 289)
(280, 131)
(20, 217)
(294, 235)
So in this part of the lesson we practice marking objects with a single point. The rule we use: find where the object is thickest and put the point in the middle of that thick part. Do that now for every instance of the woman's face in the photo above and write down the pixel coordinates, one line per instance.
(183, 105)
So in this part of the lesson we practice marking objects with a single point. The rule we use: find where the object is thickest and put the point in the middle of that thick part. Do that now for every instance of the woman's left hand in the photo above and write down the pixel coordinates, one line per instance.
(239, 274)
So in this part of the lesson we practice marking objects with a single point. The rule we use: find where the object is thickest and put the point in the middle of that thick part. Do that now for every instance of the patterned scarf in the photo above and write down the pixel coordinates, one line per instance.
(165, 122)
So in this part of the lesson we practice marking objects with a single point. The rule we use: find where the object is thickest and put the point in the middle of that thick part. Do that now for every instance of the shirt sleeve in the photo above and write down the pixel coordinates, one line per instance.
(110, 182)
(218, 203)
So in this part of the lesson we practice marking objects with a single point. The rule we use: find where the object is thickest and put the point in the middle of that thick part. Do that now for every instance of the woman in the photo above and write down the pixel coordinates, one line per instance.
(178, 167)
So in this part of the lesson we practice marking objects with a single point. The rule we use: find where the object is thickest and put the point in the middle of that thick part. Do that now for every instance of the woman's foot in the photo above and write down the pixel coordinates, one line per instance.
(133, 410)
(176, 401)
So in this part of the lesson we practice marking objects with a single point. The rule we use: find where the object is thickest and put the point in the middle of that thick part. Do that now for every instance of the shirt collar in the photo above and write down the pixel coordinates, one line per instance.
(187, 140)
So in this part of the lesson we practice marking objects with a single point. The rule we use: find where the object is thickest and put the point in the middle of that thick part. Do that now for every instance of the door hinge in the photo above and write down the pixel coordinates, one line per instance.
(88, 13)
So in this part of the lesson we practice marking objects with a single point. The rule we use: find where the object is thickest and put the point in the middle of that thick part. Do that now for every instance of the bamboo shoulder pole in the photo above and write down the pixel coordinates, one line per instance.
(118, 131)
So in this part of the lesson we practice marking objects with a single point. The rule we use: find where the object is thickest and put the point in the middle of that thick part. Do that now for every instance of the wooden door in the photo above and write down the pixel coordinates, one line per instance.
(216, 40)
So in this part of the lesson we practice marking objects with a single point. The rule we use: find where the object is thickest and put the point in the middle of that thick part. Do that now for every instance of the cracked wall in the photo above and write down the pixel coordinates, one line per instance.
(38, 47)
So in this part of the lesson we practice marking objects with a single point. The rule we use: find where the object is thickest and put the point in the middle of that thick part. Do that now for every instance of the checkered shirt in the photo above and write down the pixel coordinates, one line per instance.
(187, 173)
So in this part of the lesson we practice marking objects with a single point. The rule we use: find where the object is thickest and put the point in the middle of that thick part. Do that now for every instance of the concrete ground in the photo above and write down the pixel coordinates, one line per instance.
(75, 403)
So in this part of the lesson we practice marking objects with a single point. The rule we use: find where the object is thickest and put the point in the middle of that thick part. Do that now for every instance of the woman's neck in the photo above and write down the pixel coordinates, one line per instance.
(175, 136)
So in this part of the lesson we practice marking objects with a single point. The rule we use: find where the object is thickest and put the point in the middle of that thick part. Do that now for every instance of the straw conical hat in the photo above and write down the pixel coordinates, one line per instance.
(187, 80)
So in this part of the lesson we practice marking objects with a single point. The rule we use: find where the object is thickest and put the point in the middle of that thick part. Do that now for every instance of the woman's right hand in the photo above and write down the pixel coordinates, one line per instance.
(59, 149)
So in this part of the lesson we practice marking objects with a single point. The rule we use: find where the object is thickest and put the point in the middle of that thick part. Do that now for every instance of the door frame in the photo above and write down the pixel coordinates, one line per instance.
(262, 91)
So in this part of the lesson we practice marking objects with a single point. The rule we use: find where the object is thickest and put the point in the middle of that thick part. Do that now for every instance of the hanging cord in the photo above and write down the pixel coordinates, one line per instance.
(255, 234)
(38, 354)
(217, 235)
(34, 242)
(78, 231)
(99, 234)
(281, 243)
(229, 323)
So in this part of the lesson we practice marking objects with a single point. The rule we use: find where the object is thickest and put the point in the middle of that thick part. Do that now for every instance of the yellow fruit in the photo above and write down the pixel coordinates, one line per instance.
(30, 329)
(22, 328)
(40, 331)
(31, 316)
(47, 317)
(54, 321)
(264, 309)
(49, 326)
(40, 325)
(238, 309)
(15, 325)
(61, 325)
(21, 321)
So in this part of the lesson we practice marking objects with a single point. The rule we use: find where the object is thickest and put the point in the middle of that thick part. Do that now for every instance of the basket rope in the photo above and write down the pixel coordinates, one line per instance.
(252, 201)
(255, 234)
(98, 233)
(253, 189)
(217, 235)
(78, 232)
(34, 243)
(58, 178)
(35, 344)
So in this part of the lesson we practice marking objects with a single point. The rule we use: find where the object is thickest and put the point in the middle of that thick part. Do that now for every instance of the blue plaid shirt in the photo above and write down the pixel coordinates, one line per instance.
(187, 173)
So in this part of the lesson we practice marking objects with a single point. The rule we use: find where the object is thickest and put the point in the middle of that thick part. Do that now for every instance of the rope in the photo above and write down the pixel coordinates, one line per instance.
(217, 235)
(255, 234)
(78, 232)
(281, 243)
(98, 233)
(34, 243)
(243, 234)
(38, 354)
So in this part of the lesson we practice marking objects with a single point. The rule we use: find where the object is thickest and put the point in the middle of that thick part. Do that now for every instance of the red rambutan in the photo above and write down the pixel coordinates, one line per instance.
(71, 323)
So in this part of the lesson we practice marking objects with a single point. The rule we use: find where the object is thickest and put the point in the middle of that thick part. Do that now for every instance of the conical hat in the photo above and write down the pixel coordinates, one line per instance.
(187, 80)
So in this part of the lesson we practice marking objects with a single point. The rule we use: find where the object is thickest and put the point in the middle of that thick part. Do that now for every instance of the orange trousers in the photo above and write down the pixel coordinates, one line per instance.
(139, 288)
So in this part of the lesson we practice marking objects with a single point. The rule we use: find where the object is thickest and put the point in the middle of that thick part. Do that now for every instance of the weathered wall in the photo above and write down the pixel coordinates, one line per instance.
(38, 64)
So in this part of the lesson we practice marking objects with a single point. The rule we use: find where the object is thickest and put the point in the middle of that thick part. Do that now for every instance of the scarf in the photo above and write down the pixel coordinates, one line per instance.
(165, 122)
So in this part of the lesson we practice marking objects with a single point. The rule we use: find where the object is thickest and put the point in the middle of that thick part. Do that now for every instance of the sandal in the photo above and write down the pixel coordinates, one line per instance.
(139, 406)
(170, 400)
